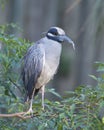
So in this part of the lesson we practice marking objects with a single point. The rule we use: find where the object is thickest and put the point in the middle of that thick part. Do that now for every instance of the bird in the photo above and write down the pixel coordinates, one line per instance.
(41, 61)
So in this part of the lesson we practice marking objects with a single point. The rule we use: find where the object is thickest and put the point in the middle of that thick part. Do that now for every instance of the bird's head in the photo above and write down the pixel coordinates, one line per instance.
(58, 34)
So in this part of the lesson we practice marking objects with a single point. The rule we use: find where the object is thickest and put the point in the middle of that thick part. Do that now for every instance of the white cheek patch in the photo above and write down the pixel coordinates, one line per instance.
(60, 31)
(50, 34)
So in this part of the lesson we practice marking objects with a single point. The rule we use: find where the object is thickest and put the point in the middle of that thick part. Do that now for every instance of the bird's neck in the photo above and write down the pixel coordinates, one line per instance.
(50, 42)
(54, 38)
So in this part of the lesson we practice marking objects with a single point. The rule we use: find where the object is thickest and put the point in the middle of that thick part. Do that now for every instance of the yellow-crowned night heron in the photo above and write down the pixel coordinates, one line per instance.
(41, 62)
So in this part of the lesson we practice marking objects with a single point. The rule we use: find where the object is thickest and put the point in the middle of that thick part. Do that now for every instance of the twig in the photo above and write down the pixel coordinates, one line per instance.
(18, 87)
(19, 115)
(73, 6)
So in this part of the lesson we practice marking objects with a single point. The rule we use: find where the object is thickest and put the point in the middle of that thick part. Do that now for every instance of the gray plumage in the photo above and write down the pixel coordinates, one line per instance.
(41, 62)
(38, 67)
(33, 63)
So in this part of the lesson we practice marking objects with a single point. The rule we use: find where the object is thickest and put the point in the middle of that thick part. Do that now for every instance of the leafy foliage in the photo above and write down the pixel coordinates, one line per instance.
(77, 110)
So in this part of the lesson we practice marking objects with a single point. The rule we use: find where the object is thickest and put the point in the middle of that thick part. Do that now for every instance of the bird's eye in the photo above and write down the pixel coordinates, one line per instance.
(55, 33)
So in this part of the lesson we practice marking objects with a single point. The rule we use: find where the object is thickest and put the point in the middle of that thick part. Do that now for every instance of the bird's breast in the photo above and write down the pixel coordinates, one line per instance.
(52, 56)
(51, 62)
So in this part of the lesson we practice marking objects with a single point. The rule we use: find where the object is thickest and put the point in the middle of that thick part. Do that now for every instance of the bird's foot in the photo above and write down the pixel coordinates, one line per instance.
(29, 112)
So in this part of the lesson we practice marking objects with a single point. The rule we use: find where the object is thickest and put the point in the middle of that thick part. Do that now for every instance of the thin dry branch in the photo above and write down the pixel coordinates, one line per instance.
(19, 115)
(73, 6)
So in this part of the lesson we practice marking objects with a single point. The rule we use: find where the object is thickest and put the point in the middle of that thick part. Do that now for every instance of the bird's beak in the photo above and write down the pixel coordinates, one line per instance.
(65, 38)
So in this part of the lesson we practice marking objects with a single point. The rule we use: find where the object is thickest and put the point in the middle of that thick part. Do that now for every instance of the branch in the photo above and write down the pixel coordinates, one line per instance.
(73, 6)
(18, 87)
(19, 115)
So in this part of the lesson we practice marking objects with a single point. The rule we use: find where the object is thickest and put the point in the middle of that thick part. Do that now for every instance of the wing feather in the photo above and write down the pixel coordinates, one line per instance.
(32, 67)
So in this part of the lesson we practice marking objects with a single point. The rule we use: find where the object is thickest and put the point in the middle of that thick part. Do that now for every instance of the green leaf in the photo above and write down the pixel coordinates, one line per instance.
(53, 92)
(60, 126)
(93, 77)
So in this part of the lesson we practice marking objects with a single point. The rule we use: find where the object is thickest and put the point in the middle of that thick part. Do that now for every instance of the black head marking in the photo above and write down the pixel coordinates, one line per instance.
(54, 33)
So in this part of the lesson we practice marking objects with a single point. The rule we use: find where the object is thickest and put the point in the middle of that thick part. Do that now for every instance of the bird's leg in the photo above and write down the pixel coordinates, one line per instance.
(30, 111)
(43, 96)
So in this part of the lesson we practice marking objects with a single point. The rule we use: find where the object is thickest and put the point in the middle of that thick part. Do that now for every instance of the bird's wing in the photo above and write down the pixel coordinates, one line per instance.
(32, 67)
